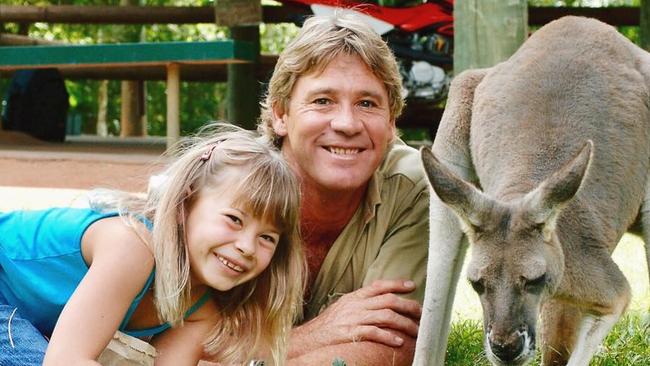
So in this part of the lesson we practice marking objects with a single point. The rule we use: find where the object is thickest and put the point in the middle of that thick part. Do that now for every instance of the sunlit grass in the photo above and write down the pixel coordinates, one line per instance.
(627, 344)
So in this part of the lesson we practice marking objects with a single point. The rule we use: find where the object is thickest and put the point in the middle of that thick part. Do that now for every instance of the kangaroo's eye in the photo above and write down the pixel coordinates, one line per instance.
(536, 285)
(478, 286)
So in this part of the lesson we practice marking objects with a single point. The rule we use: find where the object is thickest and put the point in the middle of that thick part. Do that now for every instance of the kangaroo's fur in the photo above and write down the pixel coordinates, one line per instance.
(545, 160)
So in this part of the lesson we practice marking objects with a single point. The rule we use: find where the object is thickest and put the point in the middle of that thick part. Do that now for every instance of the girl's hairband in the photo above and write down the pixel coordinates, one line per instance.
(208, 152)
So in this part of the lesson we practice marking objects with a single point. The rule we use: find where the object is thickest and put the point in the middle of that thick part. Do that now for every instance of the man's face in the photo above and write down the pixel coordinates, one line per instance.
(337, 127)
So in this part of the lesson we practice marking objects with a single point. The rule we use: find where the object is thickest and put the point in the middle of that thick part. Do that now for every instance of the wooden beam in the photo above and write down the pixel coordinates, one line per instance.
(189, 72)
(84, 14)
(125, 54)
(96, 14)
(7, 39)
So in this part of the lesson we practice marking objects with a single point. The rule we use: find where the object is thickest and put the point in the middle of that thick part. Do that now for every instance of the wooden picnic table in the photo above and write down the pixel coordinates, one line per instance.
(168, 55)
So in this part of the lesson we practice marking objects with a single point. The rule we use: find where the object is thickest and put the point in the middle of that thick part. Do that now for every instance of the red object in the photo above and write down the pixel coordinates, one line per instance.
(438, 14)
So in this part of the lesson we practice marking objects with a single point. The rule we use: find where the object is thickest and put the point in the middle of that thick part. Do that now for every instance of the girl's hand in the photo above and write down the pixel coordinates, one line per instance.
(184, 345)
(119, 265)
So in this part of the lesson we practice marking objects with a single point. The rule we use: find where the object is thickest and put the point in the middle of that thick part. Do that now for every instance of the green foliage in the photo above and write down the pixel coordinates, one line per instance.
(626, 344)
(338, 362)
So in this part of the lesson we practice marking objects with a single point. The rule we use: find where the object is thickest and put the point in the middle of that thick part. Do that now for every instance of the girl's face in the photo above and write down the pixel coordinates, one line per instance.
(227, 245)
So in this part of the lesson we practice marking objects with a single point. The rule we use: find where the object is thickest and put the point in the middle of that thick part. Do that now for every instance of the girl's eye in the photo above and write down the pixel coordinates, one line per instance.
(273, 239)
(234, 219)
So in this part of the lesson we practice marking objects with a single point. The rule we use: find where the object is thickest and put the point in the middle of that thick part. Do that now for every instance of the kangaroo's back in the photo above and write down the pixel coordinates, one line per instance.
(575, 79)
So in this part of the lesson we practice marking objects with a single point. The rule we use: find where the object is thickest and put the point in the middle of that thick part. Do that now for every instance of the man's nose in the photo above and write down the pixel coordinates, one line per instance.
(346, 122)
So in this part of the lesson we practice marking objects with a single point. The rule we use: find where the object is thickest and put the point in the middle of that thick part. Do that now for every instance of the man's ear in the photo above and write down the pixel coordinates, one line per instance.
(279, 122)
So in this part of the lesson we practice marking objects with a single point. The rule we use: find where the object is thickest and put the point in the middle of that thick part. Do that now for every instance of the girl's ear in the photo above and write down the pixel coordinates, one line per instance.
(279, 121)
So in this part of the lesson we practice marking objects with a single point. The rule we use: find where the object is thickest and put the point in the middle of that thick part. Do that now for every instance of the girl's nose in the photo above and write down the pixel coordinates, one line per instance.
(246, 245)
(346, 122)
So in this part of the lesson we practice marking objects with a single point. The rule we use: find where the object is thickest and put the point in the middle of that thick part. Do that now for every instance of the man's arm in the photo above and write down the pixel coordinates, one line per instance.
(362, 353)
(372, 319)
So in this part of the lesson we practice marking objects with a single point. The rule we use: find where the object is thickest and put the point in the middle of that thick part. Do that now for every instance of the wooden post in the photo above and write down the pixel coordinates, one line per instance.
(173, 102)
(644, 32)
(132, 116)
(243, 93)
(487, 32)
(242, 101)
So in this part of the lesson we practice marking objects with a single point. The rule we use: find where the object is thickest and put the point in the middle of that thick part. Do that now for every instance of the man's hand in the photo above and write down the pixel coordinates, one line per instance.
(372, 313)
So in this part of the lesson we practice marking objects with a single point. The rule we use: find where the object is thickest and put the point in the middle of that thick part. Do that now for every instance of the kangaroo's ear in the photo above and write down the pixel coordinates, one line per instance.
(547, 200)
(459, 195)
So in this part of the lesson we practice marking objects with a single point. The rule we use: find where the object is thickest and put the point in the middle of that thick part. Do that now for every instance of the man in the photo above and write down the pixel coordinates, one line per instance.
(331, 107)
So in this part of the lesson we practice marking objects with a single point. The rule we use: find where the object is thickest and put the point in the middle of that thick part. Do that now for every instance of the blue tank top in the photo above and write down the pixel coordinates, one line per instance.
(41, 264)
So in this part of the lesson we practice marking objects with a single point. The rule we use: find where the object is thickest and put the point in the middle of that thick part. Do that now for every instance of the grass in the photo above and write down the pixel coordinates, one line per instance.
(627, 344)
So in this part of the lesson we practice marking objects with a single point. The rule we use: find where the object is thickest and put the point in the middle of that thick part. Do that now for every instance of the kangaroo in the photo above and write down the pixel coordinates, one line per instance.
(544, 160)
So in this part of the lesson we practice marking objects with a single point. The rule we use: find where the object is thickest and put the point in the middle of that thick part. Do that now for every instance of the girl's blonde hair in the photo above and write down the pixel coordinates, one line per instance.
(320, 40)
(255, 316)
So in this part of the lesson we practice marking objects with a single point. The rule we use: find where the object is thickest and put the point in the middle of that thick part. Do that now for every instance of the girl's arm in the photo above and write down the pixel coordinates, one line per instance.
(119, 265)
(184, 345)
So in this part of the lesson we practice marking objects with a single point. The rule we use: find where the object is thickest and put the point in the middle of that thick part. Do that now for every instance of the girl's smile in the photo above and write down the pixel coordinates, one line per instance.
(227, 245)
(230, 264)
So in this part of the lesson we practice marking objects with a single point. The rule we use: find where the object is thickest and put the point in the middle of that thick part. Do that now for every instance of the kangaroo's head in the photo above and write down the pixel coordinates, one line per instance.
(517, 258)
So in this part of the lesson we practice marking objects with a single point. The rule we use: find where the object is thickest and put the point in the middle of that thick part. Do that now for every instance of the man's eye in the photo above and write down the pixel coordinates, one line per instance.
(367, 103)
(322, 101)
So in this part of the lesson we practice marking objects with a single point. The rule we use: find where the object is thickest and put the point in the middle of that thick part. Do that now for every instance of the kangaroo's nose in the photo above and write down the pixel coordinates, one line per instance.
(509, 349)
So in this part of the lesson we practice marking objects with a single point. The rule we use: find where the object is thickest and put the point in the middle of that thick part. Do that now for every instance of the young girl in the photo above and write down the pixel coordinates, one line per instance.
(208, 264)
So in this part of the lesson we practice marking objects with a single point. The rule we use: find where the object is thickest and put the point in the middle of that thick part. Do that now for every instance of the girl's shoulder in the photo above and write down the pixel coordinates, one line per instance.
(114, 236)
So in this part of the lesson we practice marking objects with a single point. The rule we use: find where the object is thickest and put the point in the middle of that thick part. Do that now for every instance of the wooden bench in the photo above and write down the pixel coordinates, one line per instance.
(168, 55)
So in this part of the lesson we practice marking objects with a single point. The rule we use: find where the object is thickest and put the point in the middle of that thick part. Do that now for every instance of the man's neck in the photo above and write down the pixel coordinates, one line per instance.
(326, 213)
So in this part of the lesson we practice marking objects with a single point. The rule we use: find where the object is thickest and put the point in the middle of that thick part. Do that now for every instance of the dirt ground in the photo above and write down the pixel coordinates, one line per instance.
(27, 162)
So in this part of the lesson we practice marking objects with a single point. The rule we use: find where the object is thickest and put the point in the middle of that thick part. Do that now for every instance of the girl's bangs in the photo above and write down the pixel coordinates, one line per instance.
(269, 195)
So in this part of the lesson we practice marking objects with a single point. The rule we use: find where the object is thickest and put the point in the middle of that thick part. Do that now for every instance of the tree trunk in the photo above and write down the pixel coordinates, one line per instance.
(132, 116)
(487, 32)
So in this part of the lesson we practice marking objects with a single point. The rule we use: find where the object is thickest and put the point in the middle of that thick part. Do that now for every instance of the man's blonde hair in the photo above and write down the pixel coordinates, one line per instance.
(256, 316)
(320, 40)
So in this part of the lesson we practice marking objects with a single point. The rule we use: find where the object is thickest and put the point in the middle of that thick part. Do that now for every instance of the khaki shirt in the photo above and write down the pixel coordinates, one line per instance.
(387, 238)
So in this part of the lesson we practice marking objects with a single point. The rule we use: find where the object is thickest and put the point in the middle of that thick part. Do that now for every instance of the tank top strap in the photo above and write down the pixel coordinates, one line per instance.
(148, 332)
(137, 300)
